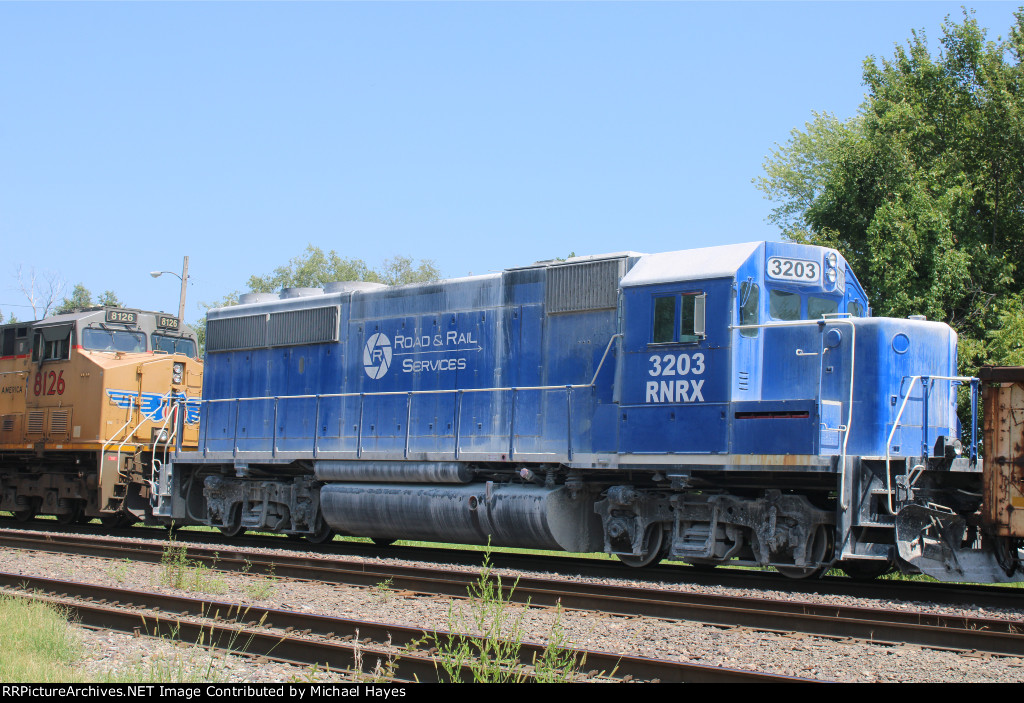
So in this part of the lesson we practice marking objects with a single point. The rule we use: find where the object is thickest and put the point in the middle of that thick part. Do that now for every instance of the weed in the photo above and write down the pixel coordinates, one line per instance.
(260, 587)
(382, 591)
(119, 570)
(178, 571)
(494, 631)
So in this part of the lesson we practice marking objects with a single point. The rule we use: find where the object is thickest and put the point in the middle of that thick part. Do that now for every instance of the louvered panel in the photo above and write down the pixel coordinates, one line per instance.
(59, 422)
(36, 421)
(303, 326)
(249, 332)
(586, 286)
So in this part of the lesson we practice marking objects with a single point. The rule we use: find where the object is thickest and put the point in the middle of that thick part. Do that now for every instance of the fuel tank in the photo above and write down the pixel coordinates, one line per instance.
(509, 515)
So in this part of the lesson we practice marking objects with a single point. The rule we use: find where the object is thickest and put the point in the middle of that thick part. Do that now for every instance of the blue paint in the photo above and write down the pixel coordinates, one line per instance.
(478, 368)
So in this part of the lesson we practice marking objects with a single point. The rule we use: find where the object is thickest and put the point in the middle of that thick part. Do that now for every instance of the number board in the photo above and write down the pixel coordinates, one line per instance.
(166, 322)
(794, 270)
(122, 316)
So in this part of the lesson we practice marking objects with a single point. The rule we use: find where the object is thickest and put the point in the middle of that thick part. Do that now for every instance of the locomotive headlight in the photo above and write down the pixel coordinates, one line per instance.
(177, 371)
(831, 275)
(832, 259)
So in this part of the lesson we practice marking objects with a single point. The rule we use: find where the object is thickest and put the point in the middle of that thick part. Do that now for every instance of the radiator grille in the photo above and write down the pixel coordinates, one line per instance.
(276, 329)
(8, 423)
(36, 418)
(586, 286)
(303, 327)
(248, 332)
(59, 422)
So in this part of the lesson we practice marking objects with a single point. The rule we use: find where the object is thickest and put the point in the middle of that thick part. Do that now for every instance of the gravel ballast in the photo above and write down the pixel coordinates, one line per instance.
(110, 654)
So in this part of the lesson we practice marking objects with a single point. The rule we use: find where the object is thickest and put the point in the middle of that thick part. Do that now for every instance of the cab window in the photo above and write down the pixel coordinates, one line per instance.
(855, 309)
(783, 305)
(174, 345)
(113, 340)
(678, 318)
(664, 320)
(52, 345)
(749, 300)
(821, 307)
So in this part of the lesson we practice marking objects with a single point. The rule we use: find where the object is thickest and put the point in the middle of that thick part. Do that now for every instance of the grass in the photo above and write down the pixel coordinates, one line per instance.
(36, 644)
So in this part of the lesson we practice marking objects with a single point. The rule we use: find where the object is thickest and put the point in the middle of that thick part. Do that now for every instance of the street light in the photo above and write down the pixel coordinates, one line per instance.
(184, 280)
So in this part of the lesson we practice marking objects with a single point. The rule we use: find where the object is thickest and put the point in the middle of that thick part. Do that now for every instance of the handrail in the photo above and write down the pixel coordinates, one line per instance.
(924, 427)
(409, 394)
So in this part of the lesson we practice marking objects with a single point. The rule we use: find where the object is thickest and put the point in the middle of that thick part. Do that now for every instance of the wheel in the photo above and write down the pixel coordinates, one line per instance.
(72, 516)
(30, 510)
(234, 527)
(821, 548)
(866, 570)
(323, 534)
(654, 538)
(117, 521)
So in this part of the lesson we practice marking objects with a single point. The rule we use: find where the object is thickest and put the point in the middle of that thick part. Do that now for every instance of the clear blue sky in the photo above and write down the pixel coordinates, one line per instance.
(479, 135)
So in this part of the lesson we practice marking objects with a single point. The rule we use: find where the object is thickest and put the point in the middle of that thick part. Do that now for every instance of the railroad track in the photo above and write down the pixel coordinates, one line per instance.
(957, 595)
(337, 643)
(878, 626)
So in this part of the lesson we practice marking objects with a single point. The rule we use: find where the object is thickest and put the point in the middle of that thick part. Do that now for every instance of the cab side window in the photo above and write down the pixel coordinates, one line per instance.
(664, 320)
(52, 350)
(678, 318)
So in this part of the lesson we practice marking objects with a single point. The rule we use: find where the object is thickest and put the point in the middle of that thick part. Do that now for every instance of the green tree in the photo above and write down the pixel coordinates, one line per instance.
(314, 268)
(80, 298)
(109, 298)
(922, 190)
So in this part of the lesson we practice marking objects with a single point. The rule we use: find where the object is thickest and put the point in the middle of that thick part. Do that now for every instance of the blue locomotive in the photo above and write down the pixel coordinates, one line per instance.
(732, 404)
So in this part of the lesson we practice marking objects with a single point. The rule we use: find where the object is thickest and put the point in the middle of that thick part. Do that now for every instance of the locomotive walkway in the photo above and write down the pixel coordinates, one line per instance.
(955, 633)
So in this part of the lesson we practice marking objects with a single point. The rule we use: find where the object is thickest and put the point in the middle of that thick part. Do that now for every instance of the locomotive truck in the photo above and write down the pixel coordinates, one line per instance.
(732, 404)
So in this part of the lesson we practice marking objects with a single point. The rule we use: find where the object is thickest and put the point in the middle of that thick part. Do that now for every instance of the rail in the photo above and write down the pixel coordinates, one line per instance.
(458, 393)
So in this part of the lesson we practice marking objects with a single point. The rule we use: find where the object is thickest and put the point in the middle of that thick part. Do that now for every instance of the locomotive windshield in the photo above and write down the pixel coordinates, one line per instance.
(174, 345)
(787, 305)
(113, 340)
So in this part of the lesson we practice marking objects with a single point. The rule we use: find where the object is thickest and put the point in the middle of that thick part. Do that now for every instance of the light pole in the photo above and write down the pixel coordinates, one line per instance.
(184, 280)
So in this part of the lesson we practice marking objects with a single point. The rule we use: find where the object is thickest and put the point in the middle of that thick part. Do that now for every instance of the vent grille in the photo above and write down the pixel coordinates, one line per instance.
(580, 287)
(248, 332)
(8, 423)
(36, 418)
(59, 422)
(277, 329)
(303, 327)
(744, 380)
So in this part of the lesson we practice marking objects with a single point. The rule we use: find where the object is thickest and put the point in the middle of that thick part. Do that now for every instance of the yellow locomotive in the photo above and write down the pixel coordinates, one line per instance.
(89, 405)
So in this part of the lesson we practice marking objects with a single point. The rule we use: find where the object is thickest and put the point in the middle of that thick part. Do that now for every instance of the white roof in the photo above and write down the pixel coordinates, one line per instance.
(690, 264)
